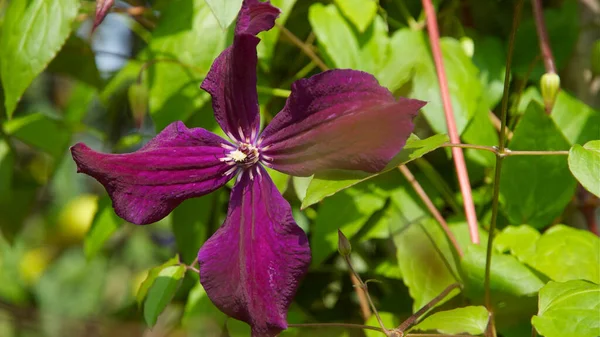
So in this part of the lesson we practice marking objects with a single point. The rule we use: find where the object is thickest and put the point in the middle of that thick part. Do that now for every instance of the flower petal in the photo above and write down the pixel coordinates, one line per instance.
(339, 119)
(251, 267)
(146, 185)
(231, 80)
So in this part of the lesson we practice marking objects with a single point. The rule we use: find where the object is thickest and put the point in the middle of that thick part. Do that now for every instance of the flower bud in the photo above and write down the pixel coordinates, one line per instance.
(596, 58)
(550, 84)
(344, 246)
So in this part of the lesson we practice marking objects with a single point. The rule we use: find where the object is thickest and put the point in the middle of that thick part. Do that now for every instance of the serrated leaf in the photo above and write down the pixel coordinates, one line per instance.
(224, 10)
(568, 309)
(535, 190)
(105, 223)
(161, 292)
(426, 262)
(584, 163)
(40, 131)
(472, 320)
(152, 275)
(32, 33)
(326, 184)
(360, 12)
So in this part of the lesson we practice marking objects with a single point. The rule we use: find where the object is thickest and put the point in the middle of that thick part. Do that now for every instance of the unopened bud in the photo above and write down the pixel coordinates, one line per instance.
(138, 101)
(596, 58)
(344, 246)
(550, 84)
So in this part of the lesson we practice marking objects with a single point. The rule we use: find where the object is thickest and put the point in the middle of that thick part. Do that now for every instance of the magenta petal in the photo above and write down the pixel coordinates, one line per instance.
(250, 268)
(339, 119)
(231, 80)
(179, 163)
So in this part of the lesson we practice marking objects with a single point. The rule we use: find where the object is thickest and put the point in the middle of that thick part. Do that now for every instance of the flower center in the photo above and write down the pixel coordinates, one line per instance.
(245, 156)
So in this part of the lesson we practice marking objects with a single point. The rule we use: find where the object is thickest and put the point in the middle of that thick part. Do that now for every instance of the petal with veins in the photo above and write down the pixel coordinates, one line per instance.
(251, 267)
(146, 185)
(339, 119)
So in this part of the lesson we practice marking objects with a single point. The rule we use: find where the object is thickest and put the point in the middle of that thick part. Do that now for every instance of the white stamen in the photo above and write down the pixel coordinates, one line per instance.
(241, 132)
(231, 170)
(224, 159)
(227, 146)
(251, 175)
(269, 158)
(266, 148)
(259, 141)
(253, 135)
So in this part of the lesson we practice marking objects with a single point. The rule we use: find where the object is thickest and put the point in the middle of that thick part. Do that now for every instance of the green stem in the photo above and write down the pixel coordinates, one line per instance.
(499, 159)
(506, 152)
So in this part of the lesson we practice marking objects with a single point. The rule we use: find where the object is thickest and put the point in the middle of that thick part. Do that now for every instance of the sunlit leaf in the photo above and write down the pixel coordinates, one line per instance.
(568, 309)
(161, 292)
(359, 12)
(152, 275)
(225, 10)
(472, 320)
(584, 163)
(577, 121)
(32, 33)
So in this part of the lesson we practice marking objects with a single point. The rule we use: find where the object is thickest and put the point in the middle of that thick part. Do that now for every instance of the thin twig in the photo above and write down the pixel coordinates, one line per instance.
(499, 160)
(414, 317)
(304, 47)
(457, 153)
(540, 26)
(506, 152)
(430, 206)
(362, 297)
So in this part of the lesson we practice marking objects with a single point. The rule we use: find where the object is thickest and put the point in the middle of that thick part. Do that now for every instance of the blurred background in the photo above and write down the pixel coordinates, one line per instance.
(70, 267)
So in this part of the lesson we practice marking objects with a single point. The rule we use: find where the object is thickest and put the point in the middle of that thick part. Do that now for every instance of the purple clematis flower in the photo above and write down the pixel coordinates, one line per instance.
(339, 119)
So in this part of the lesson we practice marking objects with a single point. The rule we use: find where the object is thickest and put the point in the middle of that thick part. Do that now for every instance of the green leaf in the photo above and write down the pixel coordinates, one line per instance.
(347, 211)
(535, 190)
(584, 163)
(32, 33)
(7, 160)
(568, 309)
(507, 275)
(161, 292)
(105, 223)
(520, 241)
(152, 275)
(326, 184)
(472, 320)
(577, 121)
(564, 253)
(399, 67)
(426, 261)
(489, 58)
(225, 10)
(359, 12)
(40, 131)
(335, 35)
(201, 316)
(189, 34)
(191, 224)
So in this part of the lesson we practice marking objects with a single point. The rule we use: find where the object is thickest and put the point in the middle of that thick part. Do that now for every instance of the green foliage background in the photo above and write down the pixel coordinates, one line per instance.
(70, 267)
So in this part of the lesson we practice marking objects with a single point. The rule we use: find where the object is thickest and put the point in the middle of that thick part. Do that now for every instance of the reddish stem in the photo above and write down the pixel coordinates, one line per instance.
(538, 14)
(459, 159)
